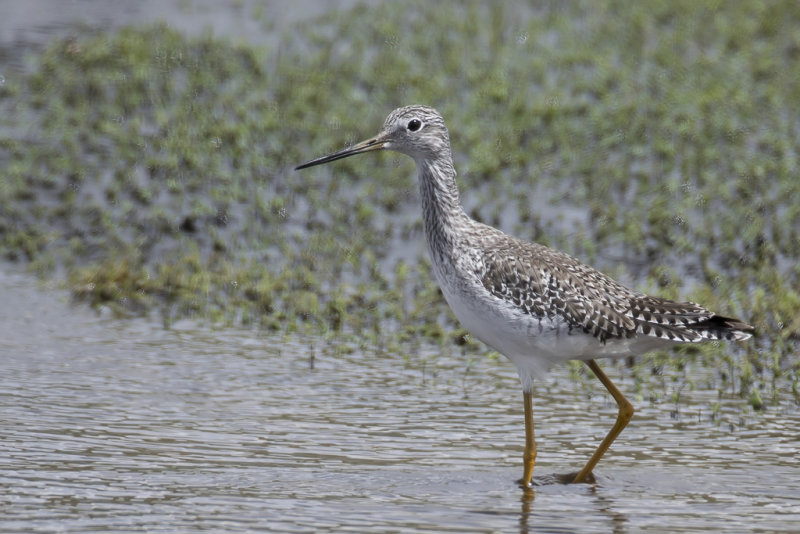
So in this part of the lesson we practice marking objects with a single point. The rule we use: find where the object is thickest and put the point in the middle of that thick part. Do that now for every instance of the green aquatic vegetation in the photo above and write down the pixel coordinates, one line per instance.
(755, 400)
(155, 169)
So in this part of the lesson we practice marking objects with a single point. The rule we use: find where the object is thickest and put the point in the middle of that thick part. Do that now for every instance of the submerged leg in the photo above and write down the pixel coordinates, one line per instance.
(624, 415)
(529, 456)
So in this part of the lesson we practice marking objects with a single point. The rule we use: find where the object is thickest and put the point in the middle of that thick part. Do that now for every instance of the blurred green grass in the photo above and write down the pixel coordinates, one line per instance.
(655, 140)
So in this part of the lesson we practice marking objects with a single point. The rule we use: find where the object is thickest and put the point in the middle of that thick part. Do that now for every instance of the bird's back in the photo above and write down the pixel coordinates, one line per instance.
(518, 296)
(546, 282)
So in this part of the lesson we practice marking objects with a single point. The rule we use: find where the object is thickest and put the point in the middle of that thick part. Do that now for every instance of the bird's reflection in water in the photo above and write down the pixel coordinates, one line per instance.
(617, 520)
(526, 501)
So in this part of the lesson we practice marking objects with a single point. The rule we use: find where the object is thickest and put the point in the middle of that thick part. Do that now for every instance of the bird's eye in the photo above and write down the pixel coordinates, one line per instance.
(414, 125)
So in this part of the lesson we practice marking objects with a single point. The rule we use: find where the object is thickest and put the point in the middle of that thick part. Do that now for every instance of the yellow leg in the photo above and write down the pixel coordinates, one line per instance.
(529, 456)
(624, 415)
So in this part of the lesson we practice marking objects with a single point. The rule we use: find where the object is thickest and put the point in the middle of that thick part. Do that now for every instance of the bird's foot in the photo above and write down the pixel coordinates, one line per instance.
(572, 478)
(555, 478)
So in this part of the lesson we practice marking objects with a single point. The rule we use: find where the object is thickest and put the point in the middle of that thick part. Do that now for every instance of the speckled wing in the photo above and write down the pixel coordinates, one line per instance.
(545, 282)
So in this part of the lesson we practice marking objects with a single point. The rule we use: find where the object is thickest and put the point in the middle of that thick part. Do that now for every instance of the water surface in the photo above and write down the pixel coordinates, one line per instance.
(122, 425)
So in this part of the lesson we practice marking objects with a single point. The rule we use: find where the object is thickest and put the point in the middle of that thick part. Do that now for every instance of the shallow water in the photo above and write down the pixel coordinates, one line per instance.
(27, 23)
(111, 425)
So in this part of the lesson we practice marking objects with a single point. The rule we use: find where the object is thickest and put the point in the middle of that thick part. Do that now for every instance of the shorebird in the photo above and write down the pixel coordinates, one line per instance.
(536, 305)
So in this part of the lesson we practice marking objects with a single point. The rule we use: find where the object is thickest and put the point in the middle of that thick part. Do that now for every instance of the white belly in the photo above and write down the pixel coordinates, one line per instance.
(533, 345)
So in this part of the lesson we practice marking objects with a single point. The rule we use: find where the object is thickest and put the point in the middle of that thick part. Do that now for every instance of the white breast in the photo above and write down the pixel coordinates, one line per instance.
(534, 345)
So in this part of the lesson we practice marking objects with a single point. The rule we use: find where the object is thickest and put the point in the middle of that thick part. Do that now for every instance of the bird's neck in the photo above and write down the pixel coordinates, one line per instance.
(442, 214)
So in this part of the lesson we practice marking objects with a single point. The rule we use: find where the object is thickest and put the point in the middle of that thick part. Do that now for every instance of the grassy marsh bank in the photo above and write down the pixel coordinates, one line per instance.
(657, 142)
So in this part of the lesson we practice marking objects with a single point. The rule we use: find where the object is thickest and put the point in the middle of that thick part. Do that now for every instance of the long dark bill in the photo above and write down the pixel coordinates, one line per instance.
(376, 143)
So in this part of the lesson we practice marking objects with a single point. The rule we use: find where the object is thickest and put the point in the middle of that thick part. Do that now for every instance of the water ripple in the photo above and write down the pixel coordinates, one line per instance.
(125, 426)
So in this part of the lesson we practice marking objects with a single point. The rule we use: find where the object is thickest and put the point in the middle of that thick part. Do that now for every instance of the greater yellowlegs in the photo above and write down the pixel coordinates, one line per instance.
(536, 305)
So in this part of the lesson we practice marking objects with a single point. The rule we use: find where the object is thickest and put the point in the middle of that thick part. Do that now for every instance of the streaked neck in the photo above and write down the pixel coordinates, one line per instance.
(442, 214)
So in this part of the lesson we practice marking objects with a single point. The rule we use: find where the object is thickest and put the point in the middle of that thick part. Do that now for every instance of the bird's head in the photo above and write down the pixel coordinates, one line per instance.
(417, 131)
